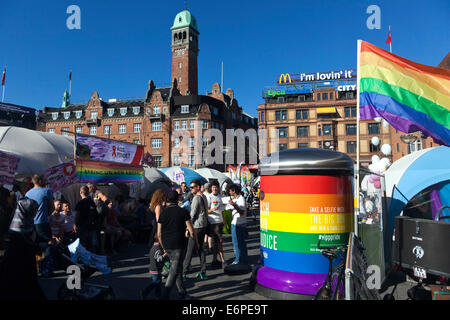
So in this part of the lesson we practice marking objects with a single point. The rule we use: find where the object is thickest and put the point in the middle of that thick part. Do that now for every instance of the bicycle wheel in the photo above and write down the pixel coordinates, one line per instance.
(337, 280)
(324, 293)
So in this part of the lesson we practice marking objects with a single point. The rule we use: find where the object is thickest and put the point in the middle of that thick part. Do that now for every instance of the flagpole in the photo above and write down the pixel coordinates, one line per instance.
(3, 93)
(358, 75)
(70, 83)
(390, 42)
(3, 83)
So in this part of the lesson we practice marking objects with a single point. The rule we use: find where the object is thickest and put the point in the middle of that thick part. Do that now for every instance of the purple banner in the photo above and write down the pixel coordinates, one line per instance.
(8, 167)
(98, 149)
(61, 176)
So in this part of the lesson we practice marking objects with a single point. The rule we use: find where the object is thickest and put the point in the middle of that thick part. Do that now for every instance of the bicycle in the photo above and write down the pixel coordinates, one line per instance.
(326, 291)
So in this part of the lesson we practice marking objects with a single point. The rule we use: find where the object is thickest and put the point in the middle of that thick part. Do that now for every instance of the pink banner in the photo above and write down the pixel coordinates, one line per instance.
(8, 167)
(61, 176)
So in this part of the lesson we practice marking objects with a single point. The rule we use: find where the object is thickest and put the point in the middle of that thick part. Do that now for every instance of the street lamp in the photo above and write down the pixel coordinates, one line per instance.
(408, 139)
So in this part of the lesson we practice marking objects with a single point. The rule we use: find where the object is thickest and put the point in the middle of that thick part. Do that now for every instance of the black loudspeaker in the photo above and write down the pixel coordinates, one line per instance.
(422, 244)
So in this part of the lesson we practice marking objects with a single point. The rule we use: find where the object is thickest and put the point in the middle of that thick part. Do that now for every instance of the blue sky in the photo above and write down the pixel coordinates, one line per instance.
(124, 44)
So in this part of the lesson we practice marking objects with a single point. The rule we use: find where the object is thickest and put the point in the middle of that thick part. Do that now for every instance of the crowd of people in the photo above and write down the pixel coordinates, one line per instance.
(178, 224)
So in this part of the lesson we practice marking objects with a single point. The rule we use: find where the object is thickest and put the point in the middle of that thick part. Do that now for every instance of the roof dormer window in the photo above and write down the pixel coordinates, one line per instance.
(136, 110)
(66, 114)
(123, 111)
(78, 114)
(110, 112)
(185, 109)
(55, 115)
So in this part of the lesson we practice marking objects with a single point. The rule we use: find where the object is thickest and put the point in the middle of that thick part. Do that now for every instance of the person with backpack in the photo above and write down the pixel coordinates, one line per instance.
(199, 217)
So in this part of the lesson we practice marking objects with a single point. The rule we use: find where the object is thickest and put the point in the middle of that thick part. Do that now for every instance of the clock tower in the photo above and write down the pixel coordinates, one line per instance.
(185, 52)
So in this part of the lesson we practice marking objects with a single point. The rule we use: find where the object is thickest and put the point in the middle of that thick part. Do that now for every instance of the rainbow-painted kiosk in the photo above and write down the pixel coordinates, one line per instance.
(306, 195)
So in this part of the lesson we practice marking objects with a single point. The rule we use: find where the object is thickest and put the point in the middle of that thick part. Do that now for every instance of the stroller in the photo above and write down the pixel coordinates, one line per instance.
(87, 291)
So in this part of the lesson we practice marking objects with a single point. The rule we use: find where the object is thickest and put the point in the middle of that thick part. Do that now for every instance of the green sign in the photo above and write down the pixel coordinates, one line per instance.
(273, 93)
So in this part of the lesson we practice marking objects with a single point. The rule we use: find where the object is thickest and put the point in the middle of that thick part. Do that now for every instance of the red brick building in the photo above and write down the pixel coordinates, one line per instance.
(152, 120)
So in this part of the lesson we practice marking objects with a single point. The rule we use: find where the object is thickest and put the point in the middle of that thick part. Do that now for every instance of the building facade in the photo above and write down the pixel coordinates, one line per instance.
(154, 120)
(318, 110)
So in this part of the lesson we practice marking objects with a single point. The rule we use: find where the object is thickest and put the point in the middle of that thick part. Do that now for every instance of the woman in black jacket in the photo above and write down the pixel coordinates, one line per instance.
(18, 274)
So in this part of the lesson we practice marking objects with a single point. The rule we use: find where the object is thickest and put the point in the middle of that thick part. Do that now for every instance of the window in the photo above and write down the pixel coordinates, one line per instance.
(157, 161)
(78, 114)
(55, 115)
(302, 131)
(282, 146)
(328, 144)
(350, 112)
(301, 114)
(416, 146)
(324, 96)
(107, 129)
(191, 124)
(281, 99)
(283, 115)
(375, 148)
(374, 128)
(277, 115)
(136, 127)
(191, 142)
(136, 110)
(331, 95)
(122, 128)
(66, 114)
(180, 65)
(282, 132)
(184, 124)
(326, 129)
(156, 126)
(191, 160)
(51, 130)
(262, 116)
(78, 129)
(136, 141)
(64, 131)
(318, 97)
(303, 145)
(319, 130)
(176, 143)
(156, 143)
(94, 114)
(215, 111)
(350, 129)
(176, 160)
(110, 112)
(185, 109)
(176, 125)
(92, 130)
(204, 124)
(204, 141)
(302, 98)
(351, 146)
(349, 95)
(320, 144)
(179, 80)
(156, 109)
(123, 111)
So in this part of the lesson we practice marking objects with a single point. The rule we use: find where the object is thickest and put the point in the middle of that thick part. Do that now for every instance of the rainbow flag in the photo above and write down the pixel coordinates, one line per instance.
(108, 172)
(410, 96)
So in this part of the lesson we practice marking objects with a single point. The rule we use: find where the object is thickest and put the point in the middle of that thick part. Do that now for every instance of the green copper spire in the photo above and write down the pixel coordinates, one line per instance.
(184, 19)
(65, 102)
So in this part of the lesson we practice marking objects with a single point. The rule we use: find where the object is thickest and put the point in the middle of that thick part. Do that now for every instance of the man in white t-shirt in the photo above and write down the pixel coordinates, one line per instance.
(69, 223)
(238, 224)
(215, 219)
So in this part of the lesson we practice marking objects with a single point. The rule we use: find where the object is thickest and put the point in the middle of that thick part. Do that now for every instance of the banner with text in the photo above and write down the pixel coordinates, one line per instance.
(98, 149)
(8, 167)
(107, 172)
(61, 176)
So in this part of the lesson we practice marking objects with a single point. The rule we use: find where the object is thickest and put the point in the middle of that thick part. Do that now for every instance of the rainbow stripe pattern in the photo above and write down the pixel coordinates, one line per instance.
(408, 95)
(108, 172)
(295, 213)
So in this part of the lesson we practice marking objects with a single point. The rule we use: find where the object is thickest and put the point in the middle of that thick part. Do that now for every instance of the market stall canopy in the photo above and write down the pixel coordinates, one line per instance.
(153, 180)
(414, 173)
(37, 150)
(182, 174)
(208, 173)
